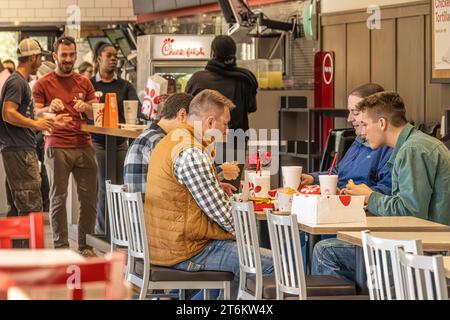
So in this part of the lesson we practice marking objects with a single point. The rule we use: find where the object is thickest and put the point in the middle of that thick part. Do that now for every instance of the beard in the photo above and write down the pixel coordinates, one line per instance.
(66, 67)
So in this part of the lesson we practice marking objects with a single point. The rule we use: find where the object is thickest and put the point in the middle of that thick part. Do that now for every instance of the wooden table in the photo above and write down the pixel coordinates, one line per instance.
(447, 266)
(101, 242)
(25, 257)
(431, 241)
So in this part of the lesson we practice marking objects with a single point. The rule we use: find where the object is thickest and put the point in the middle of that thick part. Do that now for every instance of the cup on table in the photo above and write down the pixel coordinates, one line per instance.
(284, 200)
(292, 176)
(245, 190)
(328, 184)
(260, 186)
(130, 111)
(98, 109)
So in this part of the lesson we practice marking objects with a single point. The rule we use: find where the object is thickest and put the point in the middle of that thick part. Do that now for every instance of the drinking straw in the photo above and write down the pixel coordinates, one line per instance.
(258, 164)
(332, 164)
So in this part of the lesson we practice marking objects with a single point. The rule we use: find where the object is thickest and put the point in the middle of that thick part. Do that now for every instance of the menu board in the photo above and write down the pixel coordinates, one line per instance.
(440, 17)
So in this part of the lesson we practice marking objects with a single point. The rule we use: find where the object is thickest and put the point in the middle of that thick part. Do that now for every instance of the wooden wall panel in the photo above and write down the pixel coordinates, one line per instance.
(410, 65)
(358, 55)
(383, 55)
(334, 39)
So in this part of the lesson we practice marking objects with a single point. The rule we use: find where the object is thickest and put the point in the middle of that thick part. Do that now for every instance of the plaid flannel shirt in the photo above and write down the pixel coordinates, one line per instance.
(193, 169)
(138, 157)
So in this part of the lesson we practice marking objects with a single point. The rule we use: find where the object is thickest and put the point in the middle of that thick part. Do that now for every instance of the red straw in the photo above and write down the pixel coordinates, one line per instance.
(258, 164)
(332, 165)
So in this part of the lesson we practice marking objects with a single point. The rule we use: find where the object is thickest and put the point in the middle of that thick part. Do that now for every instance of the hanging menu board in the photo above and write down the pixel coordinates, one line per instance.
(440, 17)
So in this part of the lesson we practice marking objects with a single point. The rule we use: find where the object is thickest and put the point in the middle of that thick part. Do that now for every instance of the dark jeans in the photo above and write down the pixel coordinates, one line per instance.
(45, 187)
(100, 153)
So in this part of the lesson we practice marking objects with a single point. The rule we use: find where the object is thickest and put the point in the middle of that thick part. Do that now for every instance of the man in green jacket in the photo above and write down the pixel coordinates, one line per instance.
(420, 166)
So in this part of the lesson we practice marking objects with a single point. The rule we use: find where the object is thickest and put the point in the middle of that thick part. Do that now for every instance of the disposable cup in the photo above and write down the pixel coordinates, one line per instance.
(328, 184)
(130, 111)
(98, 109)
(292, 177)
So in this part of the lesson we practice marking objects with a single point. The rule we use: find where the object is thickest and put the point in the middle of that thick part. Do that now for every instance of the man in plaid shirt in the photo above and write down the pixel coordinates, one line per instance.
(211, 228)
(138, 156)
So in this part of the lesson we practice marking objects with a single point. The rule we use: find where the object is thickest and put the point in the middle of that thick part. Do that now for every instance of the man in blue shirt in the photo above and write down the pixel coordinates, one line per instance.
(361, 163)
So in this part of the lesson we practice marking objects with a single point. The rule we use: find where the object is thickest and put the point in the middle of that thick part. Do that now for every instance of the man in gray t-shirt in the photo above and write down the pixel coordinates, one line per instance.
(17, 133)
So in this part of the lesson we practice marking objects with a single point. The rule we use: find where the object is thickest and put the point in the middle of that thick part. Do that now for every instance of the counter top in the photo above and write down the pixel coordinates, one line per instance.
(133, 134)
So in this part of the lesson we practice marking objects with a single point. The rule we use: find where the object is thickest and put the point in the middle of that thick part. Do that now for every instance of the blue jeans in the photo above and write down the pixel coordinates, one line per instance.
(335, 258)
(223, 256)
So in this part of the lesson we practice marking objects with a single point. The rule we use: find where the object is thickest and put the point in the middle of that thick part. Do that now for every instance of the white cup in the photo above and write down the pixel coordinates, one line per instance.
(260, 186)
(328, 184)
(97, 109)
(245, 190)
(292, 177)
(284, 201)
(130, 111)
(48, 115)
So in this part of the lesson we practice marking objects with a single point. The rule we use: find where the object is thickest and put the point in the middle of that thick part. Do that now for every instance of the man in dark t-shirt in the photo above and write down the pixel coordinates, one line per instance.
(17, 133)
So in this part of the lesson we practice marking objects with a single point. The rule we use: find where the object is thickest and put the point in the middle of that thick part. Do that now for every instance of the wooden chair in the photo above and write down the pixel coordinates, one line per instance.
(421, 277)
(149, 277)
(94, 279)
(29, 227)
(381, 263)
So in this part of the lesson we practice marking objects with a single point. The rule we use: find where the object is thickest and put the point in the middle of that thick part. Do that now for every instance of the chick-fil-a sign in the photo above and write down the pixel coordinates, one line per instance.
(182, 47)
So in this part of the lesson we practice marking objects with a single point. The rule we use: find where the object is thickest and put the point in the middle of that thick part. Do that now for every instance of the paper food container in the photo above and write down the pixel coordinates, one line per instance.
(316, 209)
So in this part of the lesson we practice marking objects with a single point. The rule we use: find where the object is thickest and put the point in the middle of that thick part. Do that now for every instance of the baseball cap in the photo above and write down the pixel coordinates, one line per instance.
(28, 47)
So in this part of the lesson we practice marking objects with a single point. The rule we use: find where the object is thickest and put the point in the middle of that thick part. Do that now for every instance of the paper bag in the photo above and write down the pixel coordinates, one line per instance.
(156, 86)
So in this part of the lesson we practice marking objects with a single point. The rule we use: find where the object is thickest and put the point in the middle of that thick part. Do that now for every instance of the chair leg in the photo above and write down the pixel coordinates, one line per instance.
(206, 294)
(226, 290)
(144, 287)
(182, 294)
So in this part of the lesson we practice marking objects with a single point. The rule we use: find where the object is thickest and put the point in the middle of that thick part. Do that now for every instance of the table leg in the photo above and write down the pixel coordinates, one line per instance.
(361, 277)
(312, 239)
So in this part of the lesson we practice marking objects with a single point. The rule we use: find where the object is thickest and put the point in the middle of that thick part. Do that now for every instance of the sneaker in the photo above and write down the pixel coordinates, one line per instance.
(87, 253)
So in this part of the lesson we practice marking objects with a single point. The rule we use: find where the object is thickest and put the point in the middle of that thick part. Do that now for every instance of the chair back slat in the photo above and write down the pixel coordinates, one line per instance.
(137, 235)
(286, 249)
(116, 215)
(422, 277)
(29, 227)
(381, 264)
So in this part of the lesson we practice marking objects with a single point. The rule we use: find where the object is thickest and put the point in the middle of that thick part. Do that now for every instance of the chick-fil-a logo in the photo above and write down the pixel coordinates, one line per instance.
(169, 49)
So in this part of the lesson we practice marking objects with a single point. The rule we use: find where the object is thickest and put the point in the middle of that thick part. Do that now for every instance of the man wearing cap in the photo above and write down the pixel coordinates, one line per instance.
(17, 133)
(69, 150)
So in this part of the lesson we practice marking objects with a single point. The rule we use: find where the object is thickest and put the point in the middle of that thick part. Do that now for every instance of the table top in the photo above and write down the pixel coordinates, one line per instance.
(431, 241)
(27, 257)
(447, 266)
(394, 223)
(133, 134)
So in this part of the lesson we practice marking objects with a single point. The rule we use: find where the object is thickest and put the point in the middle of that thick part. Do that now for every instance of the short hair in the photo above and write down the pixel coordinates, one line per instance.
(209, 101)
(175, 103)
(84, 66)
(387, 104)
(63, 40)
(366, 90)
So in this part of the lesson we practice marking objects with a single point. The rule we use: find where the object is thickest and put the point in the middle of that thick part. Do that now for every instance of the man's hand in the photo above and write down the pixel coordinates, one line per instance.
(61, 120)
(306, 180)
(43, 124)
(228, 188)
(357, 190)
(230, 170)
(80, 106)
(56, 106)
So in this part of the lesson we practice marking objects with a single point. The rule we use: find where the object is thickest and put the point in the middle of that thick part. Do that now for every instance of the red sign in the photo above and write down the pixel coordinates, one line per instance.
(324, 87)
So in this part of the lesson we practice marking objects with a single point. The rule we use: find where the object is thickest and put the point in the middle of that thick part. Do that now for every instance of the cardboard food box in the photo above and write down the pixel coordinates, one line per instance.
(316, 209)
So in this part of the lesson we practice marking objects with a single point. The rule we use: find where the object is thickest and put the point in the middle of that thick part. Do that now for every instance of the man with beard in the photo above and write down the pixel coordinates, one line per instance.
(69, 150)
(17, 133)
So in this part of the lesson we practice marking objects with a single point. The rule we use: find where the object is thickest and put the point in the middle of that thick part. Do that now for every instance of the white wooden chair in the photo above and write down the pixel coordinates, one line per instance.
(116, 215)
(381, 263)
(421, 277)
(248, 249)
(162, 278)
(286, 249)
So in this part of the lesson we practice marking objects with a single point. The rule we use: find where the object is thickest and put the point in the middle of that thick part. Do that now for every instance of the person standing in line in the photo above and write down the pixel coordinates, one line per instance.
(18, 133)
(69, 150)
(107, 81)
